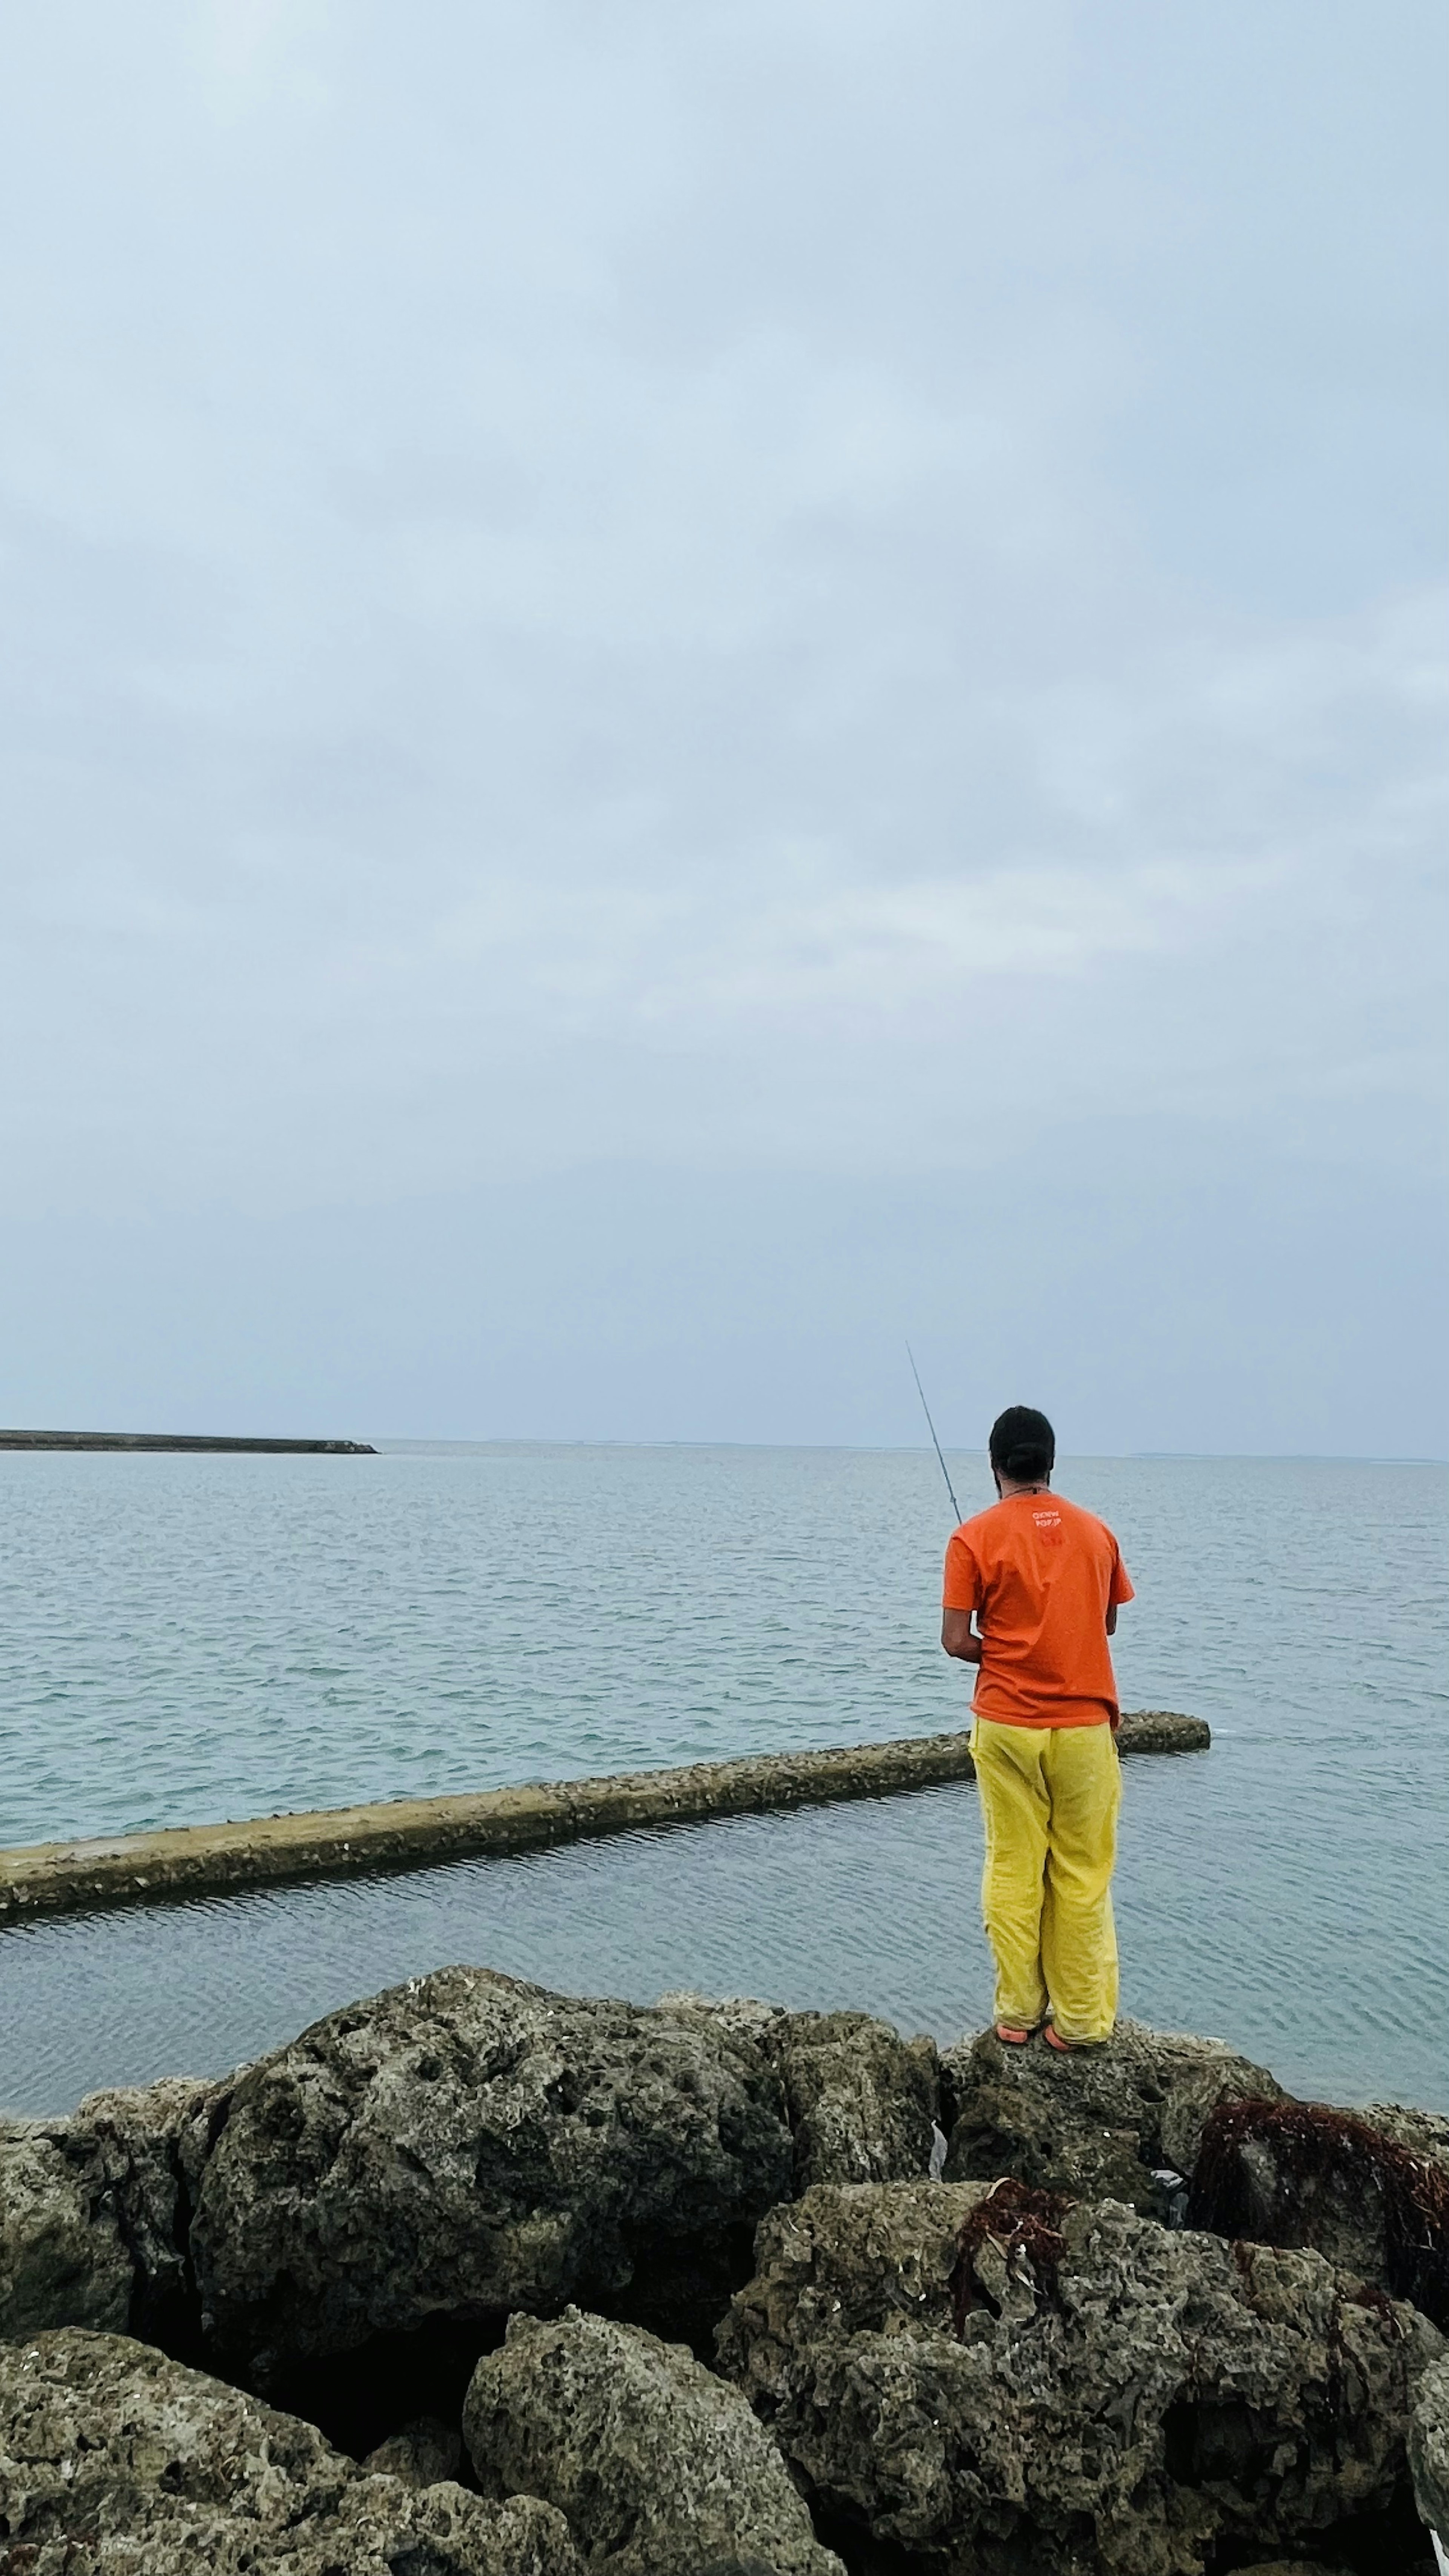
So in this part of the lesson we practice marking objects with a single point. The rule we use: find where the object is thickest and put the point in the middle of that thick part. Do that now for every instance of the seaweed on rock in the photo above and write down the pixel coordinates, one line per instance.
(1023, 2229)
(1298, 2173)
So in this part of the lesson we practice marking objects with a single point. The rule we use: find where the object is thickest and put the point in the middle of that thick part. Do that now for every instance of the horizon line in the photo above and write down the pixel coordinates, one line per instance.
(910, 1448)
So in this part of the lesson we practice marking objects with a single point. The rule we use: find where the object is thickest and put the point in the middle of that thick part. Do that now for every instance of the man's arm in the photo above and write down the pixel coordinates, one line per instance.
(1112, 1631)
(957, 1638)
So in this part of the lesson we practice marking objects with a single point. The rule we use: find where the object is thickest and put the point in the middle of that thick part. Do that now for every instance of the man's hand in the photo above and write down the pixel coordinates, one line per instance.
(957, 1638)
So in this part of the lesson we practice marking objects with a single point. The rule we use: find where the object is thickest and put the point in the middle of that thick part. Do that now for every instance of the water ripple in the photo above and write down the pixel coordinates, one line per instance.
(191, 1637)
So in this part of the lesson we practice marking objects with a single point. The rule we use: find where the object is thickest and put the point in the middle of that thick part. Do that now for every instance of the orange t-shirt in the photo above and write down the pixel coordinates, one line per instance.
(1042, 1575)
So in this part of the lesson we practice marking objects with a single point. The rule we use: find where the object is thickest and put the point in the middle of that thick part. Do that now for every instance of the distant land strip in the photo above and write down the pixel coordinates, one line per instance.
(411, 1833)
(184, 1440)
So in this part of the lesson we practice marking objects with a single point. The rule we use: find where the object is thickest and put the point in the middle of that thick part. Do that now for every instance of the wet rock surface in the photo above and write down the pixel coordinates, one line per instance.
(468, 2145)
(659, 2467)
(1100, 2123)
(117, 2460)
(1089, 2388)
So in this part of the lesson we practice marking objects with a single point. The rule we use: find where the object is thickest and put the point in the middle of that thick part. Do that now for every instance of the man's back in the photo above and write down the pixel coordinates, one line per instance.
(1043, 1577)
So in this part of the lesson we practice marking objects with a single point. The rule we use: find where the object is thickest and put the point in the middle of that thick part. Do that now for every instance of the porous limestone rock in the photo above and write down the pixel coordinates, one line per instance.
(1429, 2449)
(847, 2260)
(1098, 2123)
(96, 2210)
(93, 2211)
(383, 2528)
(1080, 2388)
(1424, 2133)
(120, 2462)
(861, 2101)
(150, 2142)
(62, 2259)
(465, 2145)
(1367, 2189)
(659, 2468)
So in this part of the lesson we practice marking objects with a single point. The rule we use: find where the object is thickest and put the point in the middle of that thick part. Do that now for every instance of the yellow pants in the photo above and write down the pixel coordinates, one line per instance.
(1049, 1800)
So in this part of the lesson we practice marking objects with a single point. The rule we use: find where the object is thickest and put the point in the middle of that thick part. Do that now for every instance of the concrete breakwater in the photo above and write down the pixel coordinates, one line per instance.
(212, 1860)
(205, 1440)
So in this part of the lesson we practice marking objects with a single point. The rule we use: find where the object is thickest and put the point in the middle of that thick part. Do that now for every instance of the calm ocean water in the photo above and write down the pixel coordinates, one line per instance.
(187, 1638)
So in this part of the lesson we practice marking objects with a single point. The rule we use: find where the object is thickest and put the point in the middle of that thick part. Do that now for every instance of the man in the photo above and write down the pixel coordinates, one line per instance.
(1044, 1582)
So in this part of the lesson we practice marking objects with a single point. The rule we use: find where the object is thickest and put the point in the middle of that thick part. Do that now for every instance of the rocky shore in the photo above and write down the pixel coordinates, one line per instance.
(473, 2279)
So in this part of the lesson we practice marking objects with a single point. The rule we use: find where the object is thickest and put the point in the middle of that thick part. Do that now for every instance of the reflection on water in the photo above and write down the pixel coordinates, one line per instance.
(203, 1643)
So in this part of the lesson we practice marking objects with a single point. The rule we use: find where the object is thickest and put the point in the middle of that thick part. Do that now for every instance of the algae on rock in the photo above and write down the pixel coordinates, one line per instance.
(1370, 2189)
(1139, 2396)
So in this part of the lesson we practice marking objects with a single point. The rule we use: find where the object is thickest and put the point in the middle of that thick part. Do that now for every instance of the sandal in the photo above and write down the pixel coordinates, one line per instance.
(1066, 2047)
(1014, 2034)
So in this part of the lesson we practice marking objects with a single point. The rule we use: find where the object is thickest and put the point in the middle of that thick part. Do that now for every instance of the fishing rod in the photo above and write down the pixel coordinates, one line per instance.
(930, 1426)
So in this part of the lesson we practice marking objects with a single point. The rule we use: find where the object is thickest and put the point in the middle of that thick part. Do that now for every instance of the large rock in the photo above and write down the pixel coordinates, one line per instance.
(62, 2257)
(580, 2176)
(1429, 2449)
(842, 2262)
(1053, 2386)
(1370, 2190)
(118, 2461)
(862, 2102)
(149, 2142)
(94, 2211)
(1100, 2123)
(466, 2145)
(658, 2466)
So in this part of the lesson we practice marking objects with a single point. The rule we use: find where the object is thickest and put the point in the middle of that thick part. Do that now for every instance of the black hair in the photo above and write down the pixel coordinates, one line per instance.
(1023, 1445)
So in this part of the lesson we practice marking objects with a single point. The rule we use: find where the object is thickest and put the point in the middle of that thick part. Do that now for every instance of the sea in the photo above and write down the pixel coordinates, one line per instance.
(185, 1638)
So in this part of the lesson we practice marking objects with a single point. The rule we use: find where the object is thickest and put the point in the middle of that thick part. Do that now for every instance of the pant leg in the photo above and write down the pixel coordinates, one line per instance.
(1079, 1937)
(1014, 1814)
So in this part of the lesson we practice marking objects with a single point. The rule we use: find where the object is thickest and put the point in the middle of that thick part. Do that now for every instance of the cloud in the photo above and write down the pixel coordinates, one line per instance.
(708, 589)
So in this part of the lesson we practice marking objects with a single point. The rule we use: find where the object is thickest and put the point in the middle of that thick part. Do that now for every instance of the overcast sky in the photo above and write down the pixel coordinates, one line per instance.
(688, 687)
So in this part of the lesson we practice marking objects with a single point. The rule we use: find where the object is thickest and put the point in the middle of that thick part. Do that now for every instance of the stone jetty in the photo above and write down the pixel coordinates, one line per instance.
(409, 1833)
(185, 1440)
(474, 2279)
